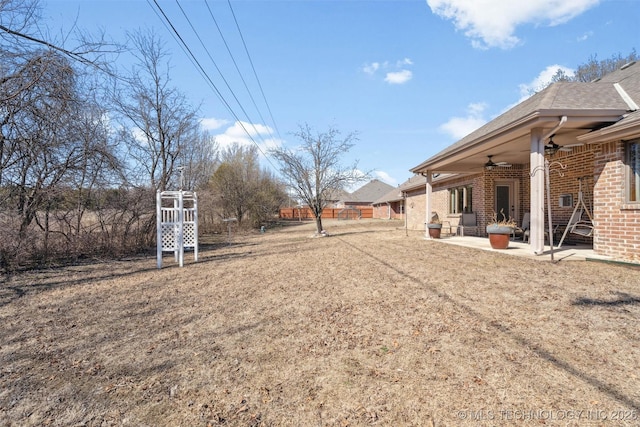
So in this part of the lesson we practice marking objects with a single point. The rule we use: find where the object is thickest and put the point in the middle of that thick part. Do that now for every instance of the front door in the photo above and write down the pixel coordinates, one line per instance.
(506, 200)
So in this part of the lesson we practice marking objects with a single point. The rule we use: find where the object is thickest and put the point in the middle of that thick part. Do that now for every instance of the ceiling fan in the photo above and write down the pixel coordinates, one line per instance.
(552, 148)
(491, 164)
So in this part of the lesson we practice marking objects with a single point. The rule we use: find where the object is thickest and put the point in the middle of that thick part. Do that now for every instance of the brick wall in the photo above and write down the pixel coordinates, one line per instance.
(416, 208)
(440, 200)
(393, 210)
(519, 175)
(579, 163)
(618, 224)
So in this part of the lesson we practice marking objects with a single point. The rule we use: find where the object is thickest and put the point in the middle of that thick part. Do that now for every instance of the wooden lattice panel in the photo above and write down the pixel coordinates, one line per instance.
(188, 235)
(169, 237)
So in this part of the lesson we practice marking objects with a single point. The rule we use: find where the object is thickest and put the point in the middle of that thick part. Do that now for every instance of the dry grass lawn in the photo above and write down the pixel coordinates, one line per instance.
(364, 327)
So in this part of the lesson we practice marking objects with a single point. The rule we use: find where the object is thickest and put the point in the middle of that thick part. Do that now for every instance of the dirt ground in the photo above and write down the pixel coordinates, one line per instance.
(364, 327)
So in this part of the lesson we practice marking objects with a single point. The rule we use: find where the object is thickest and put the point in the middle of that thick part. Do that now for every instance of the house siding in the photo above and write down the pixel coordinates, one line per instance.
(441, 198)
(518, 174)
(392, 210)
(618, 224)
(579, 163)
(416, 208)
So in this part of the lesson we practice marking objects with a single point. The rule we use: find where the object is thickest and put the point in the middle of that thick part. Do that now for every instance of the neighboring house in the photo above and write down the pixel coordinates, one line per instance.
(334, 198)
(406, 202)
(585, 133)
(366, 195)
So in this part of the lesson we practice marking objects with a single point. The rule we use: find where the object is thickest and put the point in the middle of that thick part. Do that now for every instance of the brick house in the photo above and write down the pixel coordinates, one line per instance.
(392, 205)
(365, 195)
(586, 134)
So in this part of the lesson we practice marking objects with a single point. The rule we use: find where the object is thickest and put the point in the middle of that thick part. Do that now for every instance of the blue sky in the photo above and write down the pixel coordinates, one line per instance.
(409, 76)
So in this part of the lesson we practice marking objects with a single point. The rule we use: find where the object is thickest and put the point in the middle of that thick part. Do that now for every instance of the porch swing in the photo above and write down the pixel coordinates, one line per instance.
(577, 225)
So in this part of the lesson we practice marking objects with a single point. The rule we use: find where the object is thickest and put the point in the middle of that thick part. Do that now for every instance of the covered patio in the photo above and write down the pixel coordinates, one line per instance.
(538, 159)
(519, 249)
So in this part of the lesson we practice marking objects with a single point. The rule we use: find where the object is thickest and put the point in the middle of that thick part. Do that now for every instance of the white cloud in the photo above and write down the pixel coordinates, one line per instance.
(211, 123)
(385, 177)
(585, 36)
(139, 136)
(371, 68)
(240, 131)
(398, 77)
(492, 23)
(542, 80)
(395, 73)
(459, 127)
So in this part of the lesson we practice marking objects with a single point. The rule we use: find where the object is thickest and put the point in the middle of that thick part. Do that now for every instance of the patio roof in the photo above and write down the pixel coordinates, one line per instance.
(627, 127)
(587, 106)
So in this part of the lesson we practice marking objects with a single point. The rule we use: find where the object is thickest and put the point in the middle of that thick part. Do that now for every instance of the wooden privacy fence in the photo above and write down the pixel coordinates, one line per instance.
(328, 213)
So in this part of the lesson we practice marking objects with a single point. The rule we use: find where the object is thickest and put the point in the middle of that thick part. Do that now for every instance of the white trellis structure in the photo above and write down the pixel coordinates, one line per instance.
(177, 224)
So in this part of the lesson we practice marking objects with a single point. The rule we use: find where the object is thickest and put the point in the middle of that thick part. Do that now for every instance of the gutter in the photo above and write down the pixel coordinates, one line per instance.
(553, 131)
(615, 131)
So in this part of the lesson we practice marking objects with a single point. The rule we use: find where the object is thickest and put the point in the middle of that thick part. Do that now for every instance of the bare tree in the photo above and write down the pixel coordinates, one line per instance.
(18, 37)
(269, 196)
(593, 69)
(314, 167)
(235, 180)
(245, 190)
(157, 122)
(53, 138)
(199, 161)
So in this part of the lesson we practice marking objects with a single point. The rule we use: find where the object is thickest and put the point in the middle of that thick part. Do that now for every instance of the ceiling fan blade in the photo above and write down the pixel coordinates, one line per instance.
(572, 145)
(504, 165)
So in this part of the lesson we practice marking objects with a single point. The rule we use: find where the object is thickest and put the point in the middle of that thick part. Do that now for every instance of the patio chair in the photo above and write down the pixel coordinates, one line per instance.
(469, 222)
(523, 230)
(447, 228)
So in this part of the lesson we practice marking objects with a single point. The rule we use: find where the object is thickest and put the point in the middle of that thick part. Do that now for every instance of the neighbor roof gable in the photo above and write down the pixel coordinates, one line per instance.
(369, 192)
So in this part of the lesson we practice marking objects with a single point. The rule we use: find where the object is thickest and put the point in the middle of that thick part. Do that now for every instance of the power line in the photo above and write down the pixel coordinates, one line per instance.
(196, 63)
(253, 68)
(233, 59)
(219, 71)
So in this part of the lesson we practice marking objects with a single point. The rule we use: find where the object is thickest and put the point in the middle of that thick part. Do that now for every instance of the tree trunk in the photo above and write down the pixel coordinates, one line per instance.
(319, 223)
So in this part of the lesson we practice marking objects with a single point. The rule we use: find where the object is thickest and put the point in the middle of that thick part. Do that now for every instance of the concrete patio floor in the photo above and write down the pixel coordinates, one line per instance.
(518, 248)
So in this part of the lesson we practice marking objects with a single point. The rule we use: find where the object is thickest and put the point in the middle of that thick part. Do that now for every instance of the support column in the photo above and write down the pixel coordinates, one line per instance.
(536, 231)
(195, 227)
(428, 190)
(158, 229)
(180, 239)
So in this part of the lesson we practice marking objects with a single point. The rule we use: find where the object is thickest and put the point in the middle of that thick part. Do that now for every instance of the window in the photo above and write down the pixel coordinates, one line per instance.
(633, 172)
(460, 200)
(566, 201)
